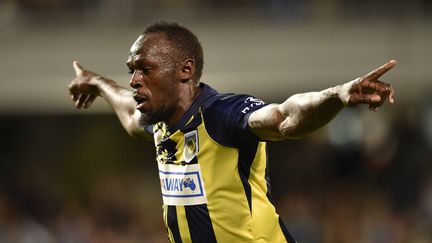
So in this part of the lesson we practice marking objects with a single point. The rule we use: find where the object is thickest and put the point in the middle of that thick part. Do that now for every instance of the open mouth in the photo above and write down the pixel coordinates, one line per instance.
(140, 100)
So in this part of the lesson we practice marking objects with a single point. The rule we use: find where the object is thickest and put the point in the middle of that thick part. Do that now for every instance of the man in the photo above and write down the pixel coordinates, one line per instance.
(210, 147)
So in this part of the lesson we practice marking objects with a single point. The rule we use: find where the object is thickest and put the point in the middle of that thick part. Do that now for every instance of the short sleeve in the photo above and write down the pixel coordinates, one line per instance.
(229, 118)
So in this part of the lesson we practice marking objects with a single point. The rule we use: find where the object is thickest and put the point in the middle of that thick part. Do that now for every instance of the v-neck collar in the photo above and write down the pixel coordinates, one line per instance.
(206, 92)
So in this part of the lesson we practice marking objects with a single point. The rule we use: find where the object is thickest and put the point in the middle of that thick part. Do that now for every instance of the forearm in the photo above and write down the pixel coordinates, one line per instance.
(121, 101)
(300, 114)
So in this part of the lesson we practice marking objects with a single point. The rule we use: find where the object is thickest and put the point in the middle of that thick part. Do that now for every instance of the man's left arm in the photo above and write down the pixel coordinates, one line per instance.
(303, 113)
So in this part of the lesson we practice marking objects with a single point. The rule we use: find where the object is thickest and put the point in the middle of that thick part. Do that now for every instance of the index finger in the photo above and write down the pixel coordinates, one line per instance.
(375, 74)
(77, 67)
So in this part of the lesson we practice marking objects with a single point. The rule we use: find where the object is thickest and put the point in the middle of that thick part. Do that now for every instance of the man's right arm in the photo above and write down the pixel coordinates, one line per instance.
(87, 86)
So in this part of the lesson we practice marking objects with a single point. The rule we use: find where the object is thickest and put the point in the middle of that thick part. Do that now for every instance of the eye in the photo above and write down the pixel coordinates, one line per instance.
(146, 70)
(131, 71)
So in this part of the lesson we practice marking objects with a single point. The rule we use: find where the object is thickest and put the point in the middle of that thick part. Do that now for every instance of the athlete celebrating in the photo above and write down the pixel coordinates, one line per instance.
(210, 147)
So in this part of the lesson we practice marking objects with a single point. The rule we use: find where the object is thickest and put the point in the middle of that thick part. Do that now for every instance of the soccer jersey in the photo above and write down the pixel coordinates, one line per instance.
(213, 174)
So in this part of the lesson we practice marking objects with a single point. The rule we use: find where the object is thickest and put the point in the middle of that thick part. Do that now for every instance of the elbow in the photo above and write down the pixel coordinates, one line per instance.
(133, 133)
(139, 134)
(286, 129)
(137, 131)
(292, 129)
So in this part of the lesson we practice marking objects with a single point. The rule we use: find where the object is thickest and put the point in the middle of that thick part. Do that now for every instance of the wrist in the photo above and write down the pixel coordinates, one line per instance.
(344, 91)
(100, 84)
(97, 81)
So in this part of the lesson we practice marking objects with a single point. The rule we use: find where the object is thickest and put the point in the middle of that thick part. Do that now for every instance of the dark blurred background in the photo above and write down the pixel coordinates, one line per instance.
(75, 176)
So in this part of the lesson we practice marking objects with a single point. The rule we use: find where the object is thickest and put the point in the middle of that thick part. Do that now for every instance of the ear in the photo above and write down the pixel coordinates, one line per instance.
(186, 70)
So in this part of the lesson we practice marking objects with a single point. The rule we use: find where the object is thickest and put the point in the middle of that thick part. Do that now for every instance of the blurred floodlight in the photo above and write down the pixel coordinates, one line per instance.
(345, 129)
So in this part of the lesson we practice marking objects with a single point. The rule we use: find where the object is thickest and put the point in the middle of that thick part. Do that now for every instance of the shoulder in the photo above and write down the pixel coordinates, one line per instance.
(226, 116)
(241, 102)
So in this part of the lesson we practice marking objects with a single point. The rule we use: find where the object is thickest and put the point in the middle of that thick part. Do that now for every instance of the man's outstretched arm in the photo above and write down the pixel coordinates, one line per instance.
(87, 86)
(303, 113)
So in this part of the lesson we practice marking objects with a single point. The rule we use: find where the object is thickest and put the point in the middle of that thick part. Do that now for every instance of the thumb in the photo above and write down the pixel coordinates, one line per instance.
(77, 67)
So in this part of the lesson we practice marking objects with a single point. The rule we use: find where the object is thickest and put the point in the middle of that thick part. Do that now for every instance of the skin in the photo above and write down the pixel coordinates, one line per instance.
(303, 113)
(165, 86)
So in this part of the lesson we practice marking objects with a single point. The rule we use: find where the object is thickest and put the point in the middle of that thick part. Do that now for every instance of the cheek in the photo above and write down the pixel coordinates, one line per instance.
(163, 96)
(163, 89)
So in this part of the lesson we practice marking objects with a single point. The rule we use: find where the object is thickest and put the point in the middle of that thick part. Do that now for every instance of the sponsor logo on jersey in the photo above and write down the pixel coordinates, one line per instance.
(177, 184)
(189, 183)
(182, 184)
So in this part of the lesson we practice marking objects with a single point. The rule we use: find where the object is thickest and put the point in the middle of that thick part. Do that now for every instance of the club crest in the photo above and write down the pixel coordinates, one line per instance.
(191, 146)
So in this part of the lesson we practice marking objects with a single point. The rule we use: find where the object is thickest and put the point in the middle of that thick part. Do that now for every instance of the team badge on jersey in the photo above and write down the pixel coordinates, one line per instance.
(191, 145)
(182, 184)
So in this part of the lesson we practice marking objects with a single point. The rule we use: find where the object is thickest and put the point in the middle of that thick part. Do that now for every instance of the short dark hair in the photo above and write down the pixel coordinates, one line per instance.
(181, 39)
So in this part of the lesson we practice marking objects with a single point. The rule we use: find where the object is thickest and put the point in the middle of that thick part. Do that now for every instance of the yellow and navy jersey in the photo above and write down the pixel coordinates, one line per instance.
(213, 174)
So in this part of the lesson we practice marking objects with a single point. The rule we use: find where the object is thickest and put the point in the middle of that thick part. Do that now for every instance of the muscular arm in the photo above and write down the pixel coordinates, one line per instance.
(303, 113)
(87, 86)
(121, 101)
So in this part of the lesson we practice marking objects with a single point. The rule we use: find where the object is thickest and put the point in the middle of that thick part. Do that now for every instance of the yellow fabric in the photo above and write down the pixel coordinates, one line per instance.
(228, 207)
(225, 193)
(265, 219)
(183, 226)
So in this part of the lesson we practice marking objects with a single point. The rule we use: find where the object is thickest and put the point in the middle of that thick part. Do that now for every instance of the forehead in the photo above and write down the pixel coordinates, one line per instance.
(151, 46)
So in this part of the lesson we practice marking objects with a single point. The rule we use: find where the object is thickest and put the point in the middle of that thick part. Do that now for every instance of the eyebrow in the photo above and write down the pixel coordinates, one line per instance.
(136, 63)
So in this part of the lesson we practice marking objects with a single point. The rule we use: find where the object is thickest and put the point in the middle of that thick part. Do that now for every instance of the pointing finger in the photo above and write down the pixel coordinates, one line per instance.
(77, 67)
(375, 74)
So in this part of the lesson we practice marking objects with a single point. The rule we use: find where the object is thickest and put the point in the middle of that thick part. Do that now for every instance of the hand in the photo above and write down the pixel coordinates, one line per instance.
(83, 89)
(369, 90)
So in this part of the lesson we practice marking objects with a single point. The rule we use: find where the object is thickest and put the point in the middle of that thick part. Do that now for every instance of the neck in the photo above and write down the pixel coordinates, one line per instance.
(188, 95)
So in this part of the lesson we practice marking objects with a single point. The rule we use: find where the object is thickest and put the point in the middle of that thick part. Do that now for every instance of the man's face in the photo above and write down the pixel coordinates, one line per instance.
(152, 64)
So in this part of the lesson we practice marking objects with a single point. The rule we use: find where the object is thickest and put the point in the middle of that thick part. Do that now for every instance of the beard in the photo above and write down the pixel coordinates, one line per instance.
(149, 118)
(144, 120)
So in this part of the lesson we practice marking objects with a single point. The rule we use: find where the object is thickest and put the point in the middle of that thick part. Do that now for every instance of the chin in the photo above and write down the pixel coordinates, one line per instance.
(146, 119)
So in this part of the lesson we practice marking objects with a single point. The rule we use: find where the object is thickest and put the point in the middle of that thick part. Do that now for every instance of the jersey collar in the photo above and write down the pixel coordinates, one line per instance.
(206, 92)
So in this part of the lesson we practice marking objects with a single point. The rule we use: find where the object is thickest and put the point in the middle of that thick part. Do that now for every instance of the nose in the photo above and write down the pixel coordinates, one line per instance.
(136, 81)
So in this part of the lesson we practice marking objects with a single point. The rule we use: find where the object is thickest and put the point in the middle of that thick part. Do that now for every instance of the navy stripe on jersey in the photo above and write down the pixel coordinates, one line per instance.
(192, 125)
(287, 235)
(267, 176)
(173, 223)
(199, 222)
(246, 156)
